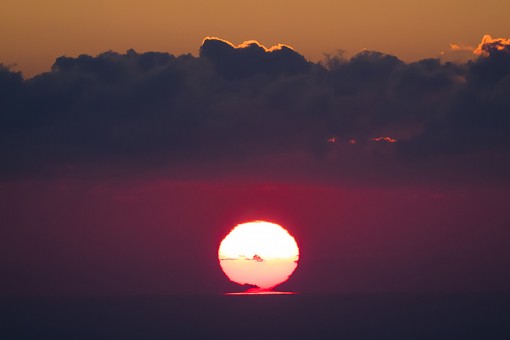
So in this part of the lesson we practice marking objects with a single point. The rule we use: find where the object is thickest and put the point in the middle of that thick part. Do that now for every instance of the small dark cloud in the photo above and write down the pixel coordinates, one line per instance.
(249, 110)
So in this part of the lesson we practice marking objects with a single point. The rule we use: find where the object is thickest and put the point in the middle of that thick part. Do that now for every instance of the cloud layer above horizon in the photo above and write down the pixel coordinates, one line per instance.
(252, 111)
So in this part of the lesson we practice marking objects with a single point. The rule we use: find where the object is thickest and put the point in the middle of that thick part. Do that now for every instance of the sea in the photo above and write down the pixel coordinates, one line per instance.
(259, 316)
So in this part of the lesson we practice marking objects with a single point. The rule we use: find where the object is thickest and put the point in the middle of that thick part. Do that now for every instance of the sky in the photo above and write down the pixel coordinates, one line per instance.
(35, 33)
(121, 170)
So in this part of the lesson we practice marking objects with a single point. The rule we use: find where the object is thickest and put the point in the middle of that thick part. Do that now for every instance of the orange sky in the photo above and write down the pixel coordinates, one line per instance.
(33, 32)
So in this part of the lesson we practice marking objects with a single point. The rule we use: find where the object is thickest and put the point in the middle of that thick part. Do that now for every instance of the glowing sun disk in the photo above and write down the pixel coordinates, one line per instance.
(258, 253)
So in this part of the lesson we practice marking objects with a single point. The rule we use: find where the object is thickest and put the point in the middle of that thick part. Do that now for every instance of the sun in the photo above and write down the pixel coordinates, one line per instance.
(258, 253)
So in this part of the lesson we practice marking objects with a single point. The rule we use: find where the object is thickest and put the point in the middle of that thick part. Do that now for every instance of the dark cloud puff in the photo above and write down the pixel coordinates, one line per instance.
(249, 110)
(251, 58)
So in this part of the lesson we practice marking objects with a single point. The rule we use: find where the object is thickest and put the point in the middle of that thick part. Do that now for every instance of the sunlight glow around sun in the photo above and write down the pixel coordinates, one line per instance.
(258, 253)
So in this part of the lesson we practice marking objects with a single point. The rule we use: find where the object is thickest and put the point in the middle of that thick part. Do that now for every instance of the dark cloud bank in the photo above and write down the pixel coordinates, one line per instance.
(254, 111)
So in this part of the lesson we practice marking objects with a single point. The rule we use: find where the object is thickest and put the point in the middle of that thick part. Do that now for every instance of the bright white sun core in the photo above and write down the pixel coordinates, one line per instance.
(258, 253)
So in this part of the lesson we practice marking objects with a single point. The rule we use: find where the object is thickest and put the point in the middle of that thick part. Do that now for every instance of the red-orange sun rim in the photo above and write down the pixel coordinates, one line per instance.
(258, 253)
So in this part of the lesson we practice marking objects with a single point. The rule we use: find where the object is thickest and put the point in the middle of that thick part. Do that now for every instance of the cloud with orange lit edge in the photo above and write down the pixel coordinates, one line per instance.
(384, 139)
(251, 111)
(488, 43)
(463, 53)
(251, 57)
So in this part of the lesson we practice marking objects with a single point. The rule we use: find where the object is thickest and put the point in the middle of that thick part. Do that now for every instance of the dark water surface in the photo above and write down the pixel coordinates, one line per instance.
(426, 316)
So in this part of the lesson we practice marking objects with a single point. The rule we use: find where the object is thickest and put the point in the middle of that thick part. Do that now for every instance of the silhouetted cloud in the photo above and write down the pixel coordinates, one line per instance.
(251, 58)
(463, 53)
(488, 43)
(254, 111)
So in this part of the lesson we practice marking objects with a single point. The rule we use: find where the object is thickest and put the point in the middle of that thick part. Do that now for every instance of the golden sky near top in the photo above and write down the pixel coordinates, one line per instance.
(34, 32)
